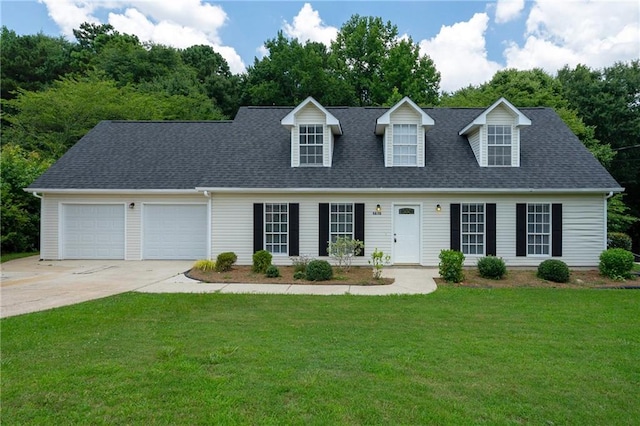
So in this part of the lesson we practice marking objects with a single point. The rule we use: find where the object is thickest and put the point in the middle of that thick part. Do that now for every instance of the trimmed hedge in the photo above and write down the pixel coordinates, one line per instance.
(272, 271)
(225, 261)
(261, 261)
(616, 263)
(319, 270)
(492, 267)
(554, 270)
(450, 266)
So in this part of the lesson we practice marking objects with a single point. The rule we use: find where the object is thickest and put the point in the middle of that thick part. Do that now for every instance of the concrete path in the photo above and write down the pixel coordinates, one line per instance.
(29, 285)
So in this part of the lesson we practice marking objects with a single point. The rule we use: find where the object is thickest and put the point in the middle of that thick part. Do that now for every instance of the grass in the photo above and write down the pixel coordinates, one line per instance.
(12, 256)
(457, 356)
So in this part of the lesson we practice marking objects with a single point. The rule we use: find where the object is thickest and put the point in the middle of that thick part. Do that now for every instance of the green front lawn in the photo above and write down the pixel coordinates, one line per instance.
(457, 356)
(12, 256)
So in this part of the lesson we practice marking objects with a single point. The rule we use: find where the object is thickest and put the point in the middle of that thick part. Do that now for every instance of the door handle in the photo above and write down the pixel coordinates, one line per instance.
(394, 238)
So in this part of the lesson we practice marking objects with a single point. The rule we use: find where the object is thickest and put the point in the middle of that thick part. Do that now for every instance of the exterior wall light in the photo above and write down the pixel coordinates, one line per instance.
(132, 205)
(378, 209)
(438, 208)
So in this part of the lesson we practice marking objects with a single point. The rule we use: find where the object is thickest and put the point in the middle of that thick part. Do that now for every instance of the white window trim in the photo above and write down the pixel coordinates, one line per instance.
(353, 220)
(540, 255)
(414, 143)
(321, 145)
(484, 230)
(265, 244)
(510, 145)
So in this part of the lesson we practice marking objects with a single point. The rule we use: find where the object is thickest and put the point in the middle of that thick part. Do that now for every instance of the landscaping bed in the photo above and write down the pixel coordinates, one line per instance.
(244, 274)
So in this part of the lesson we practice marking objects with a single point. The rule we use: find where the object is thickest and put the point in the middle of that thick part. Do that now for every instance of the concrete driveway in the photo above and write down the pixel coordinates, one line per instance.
(30, 285)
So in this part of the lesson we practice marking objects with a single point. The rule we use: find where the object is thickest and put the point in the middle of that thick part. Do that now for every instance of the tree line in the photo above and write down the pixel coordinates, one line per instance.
(53, 91)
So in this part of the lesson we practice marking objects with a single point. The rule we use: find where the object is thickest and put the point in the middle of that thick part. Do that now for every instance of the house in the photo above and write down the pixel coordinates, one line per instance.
(410, 181)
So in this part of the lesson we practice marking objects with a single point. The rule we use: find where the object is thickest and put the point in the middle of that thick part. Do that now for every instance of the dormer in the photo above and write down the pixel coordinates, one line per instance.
(313, 130)
(494, 135)
(403, 127)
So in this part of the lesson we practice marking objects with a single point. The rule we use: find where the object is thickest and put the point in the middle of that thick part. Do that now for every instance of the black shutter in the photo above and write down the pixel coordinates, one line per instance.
(358, 226)
(556, 230)
(491, 229)
(323, 229)
(455, 226)
(258, 227)
(521, 229)
(294, 229)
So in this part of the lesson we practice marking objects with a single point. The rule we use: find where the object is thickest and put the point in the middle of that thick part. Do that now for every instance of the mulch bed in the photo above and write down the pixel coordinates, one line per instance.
(243, 274)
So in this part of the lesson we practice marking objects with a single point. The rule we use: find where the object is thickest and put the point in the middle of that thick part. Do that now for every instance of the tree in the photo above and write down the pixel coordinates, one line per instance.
(31, 62)
(619, 217)
(368, 54)
(291, 72)
(20, 211)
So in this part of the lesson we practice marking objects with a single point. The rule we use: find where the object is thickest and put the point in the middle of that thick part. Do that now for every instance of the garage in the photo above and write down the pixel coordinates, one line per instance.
(93, 231)
(174, 231)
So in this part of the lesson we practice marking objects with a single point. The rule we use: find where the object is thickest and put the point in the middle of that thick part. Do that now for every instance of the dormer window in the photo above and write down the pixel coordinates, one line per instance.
(313, 133)
(311, 143)
(405, 144)
(494, 135)
(498, 145)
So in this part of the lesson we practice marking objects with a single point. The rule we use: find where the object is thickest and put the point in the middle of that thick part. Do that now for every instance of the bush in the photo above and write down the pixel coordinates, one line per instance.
(342, 251)
(299, 275)
(225, 261)
(554, 270)
(319, 270)
(272, 271)
(205, 265)
(492, 267)
(616, 263)
(618, 240)
(300, 263)
(450, 266)
(261, 261)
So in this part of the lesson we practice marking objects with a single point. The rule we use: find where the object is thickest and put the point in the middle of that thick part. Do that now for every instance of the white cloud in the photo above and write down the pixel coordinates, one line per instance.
(307, 26)
(594, 33)
(179, 24)
(507, 10)
(460, 54)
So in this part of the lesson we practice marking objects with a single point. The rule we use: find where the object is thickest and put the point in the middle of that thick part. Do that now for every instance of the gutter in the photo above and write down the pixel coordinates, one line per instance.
(412, 190)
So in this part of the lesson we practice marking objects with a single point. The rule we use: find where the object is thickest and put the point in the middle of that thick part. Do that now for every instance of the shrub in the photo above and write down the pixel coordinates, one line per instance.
(319, 270)
(261, 261)
(299, 275)
(378, 260)
(272, 271)
(225, 261)
(343, 249)
(616, 263)
(450, 266)
(618, 240)
(554, 270)
(300, 263)
(492, 267)
(205, 265)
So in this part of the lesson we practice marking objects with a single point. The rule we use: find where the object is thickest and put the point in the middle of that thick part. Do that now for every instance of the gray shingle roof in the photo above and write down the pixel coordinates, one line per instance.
(253, 151)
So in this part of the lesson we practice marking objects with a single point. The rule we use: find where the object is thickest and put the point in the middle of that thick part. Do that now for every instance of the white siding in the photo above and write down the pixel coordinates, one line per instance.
(232, 223)
(404, 115)
(474, 141)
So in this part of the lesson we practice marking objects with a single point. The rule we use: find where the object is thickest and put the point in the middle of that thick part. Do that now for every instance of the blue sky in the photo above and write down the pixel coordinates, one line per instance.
(468, 40)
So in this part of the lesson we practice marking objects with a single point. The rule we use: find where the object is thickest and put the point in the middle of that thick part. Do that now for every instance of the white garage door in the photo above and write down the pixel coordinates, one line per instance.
(93, 231)
(174, 231)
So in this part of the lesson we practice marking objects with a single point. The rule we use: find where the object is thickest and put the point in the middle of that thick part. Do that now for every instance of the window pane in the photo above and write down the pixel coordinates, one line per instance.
(275, 226)
(472, 228)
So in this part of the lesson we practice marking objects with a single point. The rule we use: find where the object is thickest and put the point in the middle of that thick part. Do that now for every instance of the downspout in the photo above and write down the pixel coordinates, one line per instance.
(609, 195)
(209, 238)
(35, 194)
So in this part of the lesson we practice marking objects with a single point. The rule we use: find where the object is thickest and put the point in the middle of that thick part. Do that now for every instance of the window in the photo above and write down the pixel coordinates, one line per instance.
(341, 221)
(499, 145)
(472, 228)
(276, 220)
(311, 142)
(405, 145)
(538, 229)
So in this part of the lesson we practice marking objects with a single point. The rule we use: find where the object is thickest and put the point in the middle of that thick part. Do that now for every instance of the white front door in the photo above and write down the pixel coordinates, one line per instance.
(406, 234)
